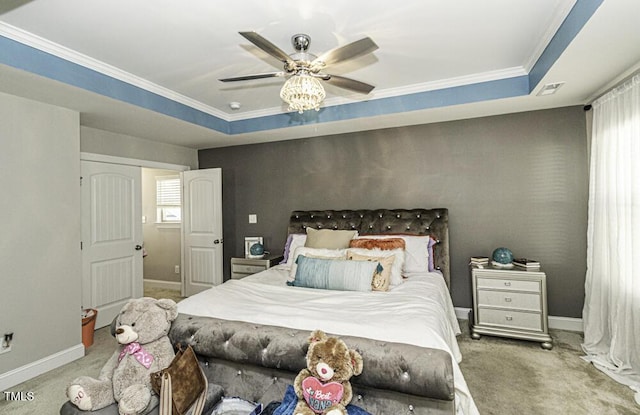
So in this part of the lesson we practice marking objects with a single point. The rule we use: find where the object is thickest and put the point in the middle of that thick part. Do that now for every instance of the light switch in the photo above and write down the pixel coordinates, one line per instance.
(253, 218)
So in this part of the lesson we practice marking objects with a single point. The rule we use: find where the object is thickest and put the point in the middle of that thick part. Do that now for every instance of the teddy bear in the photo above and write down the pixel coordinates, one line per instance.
(141, 329)
(323, 387)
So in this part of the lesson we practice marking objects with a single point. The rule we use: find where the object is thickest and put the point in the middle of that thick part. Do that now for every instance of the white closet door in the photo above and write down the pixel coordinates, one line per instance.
(202, 229)
(111, 237)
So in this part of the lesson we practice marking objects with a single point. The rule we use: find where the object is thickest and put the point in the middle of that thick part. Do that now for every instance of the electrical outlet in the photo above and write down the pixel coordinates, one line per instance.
(6, 343)
(253, 218)
(177, 269)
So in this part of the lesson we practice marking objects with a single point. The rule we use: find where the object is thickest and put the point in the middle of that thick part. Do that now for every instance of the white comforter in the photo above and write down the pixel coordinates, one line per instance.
(417, 312)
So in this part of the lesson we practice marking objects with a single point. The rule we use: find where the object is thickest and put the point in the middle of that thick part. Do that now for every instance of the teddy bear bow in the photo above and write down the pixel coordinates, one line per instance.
(138, 353)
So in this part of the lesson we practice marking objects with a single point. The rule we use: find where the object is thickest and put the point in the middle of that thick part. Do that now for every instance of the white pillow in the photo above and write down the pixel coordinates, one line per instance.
(398, 263)
(416, 252)
(297, 240)
(314, 253)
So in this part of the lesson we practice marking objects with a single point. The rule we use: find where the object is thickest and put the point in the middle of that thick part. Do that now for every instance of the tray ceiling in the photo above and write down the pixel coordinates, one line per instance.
(150, 68)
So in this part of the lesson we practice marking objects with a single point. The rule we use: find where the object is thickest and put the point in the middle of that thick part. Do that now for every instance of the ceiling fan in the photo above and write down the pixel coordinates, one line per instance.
(304, 69)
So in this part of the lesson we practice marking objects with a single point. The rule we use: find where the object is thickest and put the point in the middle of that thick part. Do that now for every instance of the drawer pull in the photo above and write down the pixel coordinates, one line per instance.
(507, 299)
(507, 283)
(509, 318)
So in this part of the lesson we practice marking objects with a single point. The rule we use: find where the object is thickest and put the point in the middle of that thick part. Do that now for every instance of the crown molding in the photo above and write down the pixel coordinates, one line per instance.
(404, 90)
(448, 83)
(70, 55)
(62, 52)
(559, 16)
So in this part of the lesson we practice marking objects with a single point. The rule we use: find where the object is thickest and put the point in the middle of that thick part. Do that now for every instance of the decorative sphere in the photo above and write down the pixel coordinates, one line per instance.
(256, 249)
(502, 256)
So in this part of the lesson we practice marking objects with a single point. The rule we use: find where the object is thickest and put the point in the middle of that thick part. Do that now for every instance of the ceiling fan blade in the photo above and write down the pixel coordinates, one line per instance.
(267, 46)
(348, 51)
(255, 76)
(348, 83)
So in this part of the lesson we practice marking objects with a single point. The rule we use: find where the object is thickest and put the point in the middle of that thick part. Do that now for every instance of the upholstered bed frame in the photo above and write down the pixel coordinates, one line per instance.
(257, 362)
(433, 222)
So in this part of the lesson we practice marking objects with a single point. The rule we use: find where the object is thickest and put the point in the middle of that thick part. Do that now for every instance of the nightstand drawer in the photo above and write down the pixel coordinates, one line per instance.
(510, 319)
(243, 267)
(247, 269)
(513, 300)
(509, 284)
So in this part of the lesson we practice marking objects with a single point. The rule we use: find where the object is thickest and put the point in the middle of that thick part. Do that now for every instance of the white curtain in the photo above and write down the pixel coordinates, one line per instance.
(611, 312)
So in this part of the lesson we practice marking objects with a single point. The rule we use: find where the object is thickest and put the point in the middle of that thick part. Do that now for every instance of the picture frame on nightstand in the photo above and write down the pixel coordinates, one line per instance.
(249, 241)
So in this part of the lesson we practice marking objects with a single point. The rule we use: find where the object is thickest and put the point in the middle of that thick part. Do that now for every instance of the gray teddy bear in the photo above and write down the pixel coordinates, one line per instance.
(141, 330)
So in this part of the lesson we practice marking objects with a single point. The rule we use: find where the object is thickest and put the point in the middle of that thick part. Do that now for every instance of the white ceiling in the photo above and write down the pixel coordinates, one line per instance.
(437, 60)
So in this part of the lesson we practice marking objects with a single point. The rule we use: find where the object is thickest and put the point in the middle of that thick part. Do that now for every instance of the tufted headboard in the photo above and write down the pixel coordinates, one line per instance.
(434, 222)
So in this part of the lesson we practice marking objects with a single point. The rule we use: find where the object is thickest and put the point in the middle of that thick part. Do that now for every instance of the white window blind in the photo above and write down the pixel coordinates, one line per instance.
(168, 191)
(168, 199)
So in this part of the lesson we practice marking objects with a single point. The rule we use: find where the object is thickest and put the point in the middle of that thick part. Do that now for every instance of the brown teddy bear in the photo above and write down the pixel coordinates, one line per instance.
(324, 387)
(141, 330)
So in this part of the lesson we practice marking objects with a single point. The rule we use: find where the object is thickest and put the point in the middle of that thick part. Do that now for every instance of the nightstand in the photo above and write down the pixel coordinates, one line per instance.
(510, 303)
(243, 267)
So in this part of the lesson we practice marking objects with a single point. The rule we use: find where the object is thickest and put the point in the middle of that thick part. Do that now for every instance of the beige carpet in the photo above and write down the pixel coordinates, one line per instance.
(49, 389)
(517, 377)
(162, 293)
(505, 377)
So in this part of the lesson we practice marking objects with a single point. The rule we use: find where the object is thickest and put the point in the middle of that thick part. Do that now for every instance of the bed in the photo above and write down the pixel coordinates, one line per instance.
(251, 334)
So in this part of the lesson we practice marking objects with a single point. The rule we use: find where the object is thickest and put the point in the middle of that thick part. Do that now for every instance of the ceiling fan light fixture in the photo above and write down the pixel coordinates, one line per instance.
(302, 92)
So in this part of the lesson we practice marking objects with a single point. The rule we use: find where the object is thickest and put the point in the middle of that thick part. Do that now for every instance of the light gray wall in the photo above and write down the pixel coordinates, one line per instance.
(517, 180)
(161, 242)
(40, 253)
(40, 238)
(107, 143)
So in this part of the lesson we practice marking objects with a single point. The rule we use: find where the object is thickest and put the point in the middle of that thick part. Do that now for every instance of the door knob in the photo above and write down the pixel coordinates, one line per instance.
(216, 242)
(138, 247)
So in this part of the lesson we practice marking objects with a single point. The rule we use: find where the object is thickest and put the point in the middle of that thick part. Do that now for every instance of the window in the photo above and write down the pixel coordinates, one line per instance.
(168, 199)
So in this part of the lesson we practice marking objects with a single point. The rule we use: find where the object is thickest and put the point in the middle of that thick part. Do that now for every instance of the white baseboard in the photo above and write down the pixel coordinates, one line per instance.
(566, 323)
(29, 371)
(555, 322)
(462, 313)
(168, 285)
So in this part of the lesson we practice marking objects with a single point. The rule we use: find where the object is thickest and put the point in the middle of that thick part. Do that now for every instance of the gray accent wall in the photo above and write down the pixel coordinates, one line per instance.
(517, 180)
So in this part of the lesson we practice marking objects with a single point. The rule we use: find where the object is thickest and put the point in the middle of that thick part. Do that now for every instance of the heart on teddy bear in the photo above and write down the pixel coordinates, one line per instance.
(320, 396)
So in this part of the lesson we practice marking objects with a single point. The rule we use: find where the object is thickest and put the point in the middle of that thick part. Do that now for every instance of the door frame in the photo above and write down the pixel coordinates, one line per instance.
(103, 158)
(202, 235)
(110, 257)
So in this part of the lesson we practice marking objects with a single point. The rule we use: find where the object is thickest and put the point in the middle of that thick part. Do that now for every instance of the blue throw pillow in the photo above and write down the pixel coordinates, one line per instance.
(334, 274)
